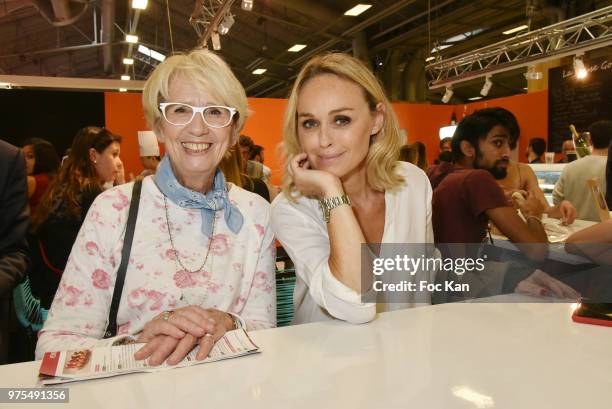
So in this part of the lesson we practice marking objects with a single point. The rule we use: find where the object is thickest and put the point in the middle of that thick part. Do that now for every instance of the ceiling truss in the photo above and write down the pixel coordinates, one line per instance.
(574, 36)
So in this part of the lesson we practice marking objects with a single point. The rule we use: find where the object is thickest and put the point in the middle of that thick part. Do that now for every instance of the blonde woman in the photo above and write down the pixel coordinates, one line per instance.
(202, 258)
(341, 139)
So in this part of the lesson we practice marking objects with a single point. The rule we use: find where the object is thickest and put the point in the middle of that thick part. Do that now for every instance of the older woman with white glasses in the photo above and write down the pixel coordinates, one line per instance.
(202, 256)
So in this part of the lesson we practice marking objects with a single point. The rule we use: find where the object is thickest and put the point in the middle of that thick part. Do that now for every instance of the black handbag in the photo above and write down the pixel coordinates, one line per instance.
(111, 328)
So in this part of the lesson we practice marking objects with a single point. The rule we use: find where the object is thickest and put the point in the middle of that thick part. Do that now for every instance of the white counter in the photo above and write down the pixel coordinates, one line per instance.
(556, 250)
(445, 356)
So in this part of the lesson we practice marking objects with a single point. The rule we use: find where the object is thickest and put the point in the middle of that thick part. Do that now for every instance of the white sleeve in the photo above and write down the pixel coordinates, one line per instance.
(558, 195)
(308, 246)
(79, 313)
(259, 311)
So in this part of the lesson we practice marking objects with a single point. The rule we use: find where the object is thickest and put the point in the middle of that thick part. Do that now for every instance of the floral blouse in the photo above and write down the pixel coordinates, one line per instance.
(237, 276)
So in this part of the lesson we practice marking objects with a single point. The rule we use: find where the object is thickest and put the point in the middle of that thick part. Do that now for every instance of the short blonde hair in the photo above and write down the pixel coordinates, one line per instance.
(381, 161)
(207, 72)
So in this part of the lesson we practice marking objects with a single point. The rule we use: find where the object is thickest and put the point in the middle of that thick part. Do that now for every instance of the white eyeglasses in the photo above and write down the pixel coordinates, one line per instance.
(215, 116)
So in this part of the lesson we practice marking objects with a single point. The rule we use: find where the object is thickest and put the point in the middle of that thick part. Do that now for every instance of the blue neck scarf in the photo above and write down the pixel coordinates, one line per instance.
(215, 199)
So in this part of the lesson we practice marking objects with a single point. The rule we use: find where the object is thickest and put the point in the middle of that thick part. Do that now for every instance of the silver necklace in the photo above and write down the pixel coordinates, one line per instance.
(176, 253)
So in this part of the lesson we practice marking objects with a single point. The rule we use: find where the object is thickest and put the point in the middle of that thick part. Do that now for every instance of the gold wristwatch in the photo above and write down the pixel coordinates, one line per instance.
(329, 203)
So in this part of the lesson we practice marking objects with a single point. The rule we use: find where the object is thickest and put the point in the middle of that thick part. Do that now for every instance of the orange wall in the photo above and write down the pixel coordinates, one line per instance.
(531, 111)
(124, 116)
(265, 127)
(422, 121)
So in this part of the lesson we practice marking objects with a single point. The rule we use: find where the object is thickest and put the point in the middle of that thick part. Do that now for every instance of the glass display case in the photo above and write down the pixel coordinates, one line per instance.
(547, 174)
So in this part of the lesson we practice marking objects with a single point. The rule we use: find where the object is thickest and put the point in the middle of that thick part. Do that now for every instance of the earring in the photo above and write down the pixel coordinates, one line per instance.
(95, 161)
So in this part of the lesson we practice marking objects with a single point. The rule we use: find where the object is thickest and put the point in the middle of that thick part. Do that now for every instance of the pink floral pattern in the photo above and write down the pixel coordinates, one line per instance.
(220, 245)
(184, 279)
(121, 202)
(69, 295)
(91, 248)
(237, 277)
(100, 279)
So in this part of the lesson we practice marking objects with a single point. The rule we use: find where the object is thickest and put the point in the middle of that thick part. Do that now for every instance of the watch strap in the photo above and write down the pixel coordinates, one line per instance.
(329, 203)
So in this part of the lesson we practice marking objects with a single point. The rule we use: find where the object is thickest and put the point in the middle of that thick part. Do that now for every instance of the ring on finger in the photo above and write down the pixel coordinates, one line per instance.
(166, 315)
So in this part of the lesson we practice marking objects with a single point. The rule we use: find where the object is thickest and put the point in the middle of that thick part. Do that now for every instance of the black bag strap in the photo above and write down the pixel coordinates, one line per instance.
(111, 329)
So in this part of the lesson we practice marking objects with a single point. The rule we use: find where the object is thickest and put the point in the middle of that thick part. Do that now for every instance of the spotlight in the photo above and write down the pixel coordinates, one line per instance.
(486, 87)
(125, 77)
(130, 38)
(216, 41)
(579, 68)
(128, 61)
(247, 5)
(448, 94)
(139, 4)
(226, 24)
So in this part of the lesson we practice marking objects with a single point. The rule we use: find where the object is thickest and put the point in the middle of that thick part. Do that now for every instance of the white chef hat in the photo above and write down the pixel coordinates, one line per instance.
(147, 142)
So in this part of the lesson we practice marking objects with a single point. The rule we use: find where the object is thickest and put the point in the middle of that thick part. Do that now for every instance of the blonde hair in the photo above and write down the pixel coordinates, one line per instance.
(207, 72)
(230, 166)
(381, 164)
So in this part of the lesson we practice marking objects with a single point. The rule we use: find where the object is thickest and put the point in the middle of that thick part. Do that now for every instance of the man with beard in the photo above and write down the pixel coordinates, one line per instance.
(466, 195)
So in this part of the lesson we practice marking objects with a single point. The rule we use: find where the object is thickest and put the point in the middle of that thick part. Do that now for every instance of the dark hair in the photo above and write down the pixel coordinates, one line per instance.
(46, 159)
(445, 140)
(414, 154)
(601, 134)
(422, 154)
(478, 124)
(77, 173)
(538, 145)
(445, 156)
(246, 141)
(254, 151)
(408, 153)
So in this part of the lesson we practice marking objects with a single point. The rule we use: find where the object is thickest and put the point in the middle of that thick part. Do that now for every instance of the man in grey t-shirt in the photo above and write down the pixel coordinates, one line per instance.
(572, 185)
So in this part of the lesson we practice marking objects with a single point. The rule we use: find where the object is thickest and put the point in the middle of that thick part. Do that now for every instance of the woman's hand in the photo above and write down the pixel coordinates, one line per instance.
(312, 182)
(512, 198)
(173, 337)
(541, 284)
(531, 206)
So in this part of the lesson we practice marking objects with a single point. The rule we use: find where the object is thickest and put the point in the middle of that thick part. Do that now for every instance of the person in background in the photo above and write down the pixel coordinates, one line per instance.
(231, 166)
(42, 163)
(202, 257)
(14, 221)
(408, 154)
(414, 154)
(343, 187)
(446, 151)
(149, 152)
(92, 162)
(467, 196)
(250, 167)
(572, 184)
(257, 155)
(521, 178)
(568, 151)
(421, 155)
(446, 144)
(535, 150)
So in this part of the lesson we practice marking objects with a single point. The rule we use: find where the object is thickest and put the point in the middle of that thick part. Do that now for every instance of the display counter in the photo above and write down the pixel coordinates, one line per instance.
(547, 175)
(470, 355)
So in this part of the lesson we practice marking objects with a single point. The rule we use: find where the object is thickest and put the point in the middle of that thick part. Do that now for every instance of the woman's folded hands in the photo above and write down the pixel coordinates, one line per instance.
(171, 335)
